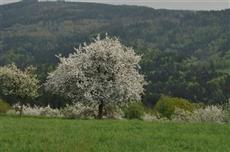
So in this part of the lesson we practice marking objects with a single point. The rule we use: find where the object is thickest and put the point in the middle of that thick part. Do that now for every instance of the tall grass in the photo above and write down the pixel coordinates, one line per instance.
(60, 135)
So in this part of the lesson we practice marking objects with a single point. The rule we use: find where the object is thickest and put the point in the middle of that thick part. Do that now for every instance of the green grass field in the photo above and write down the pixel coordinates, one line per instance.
(58, 135)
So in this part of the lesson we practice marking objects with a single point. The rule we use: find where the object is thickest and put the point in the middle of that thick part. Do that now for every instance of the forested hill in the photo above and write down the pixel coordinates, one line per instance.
(32, 33)
(33, 30)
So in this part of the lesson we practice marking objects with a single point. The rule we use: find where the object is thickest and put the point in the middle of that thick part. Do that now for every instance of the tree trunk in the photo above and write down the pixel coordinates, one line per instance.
(100, 110)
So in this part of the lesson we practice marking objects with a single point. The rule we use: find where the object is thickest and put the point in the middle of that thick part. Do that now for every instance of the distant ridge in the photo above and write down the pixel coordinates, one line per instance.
(137, 26)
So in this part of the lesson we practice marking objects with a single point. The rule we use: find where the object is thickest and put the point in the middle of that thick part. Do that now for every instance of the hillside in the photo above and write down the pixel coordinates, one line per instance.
(32, 33)
(52, 27)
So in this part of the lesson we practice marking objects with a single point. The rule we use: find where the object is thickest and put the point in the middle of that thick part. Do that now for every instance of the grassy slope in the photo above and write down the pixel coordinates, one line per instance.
(33, 134)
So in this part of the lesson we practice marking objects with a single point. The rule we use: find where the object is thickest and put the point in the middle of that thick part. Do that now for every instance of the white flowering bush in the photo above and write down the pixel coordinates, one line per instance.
(150, 117)
(36, 111)
(50, 112)
(31, 111)
(180, 115)
(113, 112)
(78, 110)
(73, 111)
(102, 73)
(208, 114)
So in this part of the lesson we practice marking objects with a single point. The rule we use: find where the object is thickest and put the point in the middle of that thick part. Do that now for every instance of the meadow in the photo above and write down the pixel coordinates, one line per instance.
(30, 134)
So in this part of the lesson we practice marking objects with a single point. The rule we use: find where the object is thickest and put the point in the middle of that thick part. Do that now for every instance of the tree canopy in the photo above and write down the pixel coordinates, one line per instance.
(21, 85)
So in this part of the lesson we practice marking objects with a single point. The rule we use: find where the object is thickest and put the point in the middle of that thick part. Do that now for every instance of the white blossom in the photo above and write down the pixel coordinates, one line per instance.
(20, 84)
(103, 71)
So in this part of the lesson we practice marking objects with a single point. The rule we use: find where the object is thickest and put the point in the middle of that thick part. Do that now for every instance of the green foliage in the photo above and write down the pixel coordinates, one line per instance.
(227, 111)
(4, 106)
(134, 111)
(185, 53)
(173, 75)
(22, 85)
(167, 105)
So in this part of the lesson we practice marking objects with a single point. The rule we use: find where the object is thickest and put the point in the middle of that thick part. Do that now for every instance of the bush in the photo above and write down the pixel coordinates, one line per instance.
(36, 111)
(4, 106)
(29, 111)
(134, 111)
(166, 106)
(79, 110)
(113, 112)
(181, 115)
(207, 114)
(227, 111)
(73, 111)
(50, 112)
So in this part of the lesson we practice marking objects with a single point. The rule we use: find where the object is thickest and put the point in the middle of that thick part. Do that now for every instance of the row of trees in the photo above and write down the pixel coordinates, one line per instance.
(166, 73)
(100, 74)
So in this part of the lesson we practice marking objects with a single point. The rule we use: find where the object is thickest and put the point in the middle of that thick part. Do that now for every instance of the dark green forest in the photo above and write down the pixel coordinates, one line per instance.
(185, 53)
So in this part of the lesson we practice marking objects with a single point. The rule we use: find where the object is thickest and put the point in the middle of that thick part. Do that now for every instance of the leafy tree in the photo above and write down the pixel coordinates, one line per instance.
(101, 73)
(22, 85)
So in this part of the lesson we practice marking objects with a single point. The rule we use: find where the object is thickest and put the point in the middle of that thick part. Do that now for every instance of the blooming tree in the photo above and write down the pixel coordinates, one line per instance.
(101, 73)
(22, 85)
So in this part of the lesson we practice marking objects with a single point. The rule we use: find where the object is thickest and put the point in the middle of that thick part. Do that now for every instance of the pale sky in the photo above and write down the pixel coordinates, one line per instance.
(167, 4)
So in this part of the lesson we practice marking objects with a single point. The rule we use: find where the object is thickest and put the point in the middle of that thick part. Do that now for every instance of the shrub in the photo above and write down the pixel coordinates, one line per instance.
(227, 111)
(134, 111)
(181, 115)
(208, 114)
(37, 111)
(30, 111)
(76, 110)
(113, 112)
(79, 110)
(150, 117)
(50, 112)
(4, 106)
(166, 106)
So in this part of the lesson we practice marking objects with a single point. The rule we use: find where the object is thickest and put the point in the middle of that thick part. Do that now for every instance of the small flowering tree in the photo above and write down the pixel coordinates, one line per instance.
(101, 73)
(22, 85)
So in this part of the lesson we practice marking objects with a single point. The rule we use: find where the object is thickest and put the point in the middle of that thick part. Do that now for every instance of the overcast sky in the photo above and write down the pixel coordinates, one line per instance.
(168, 4)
